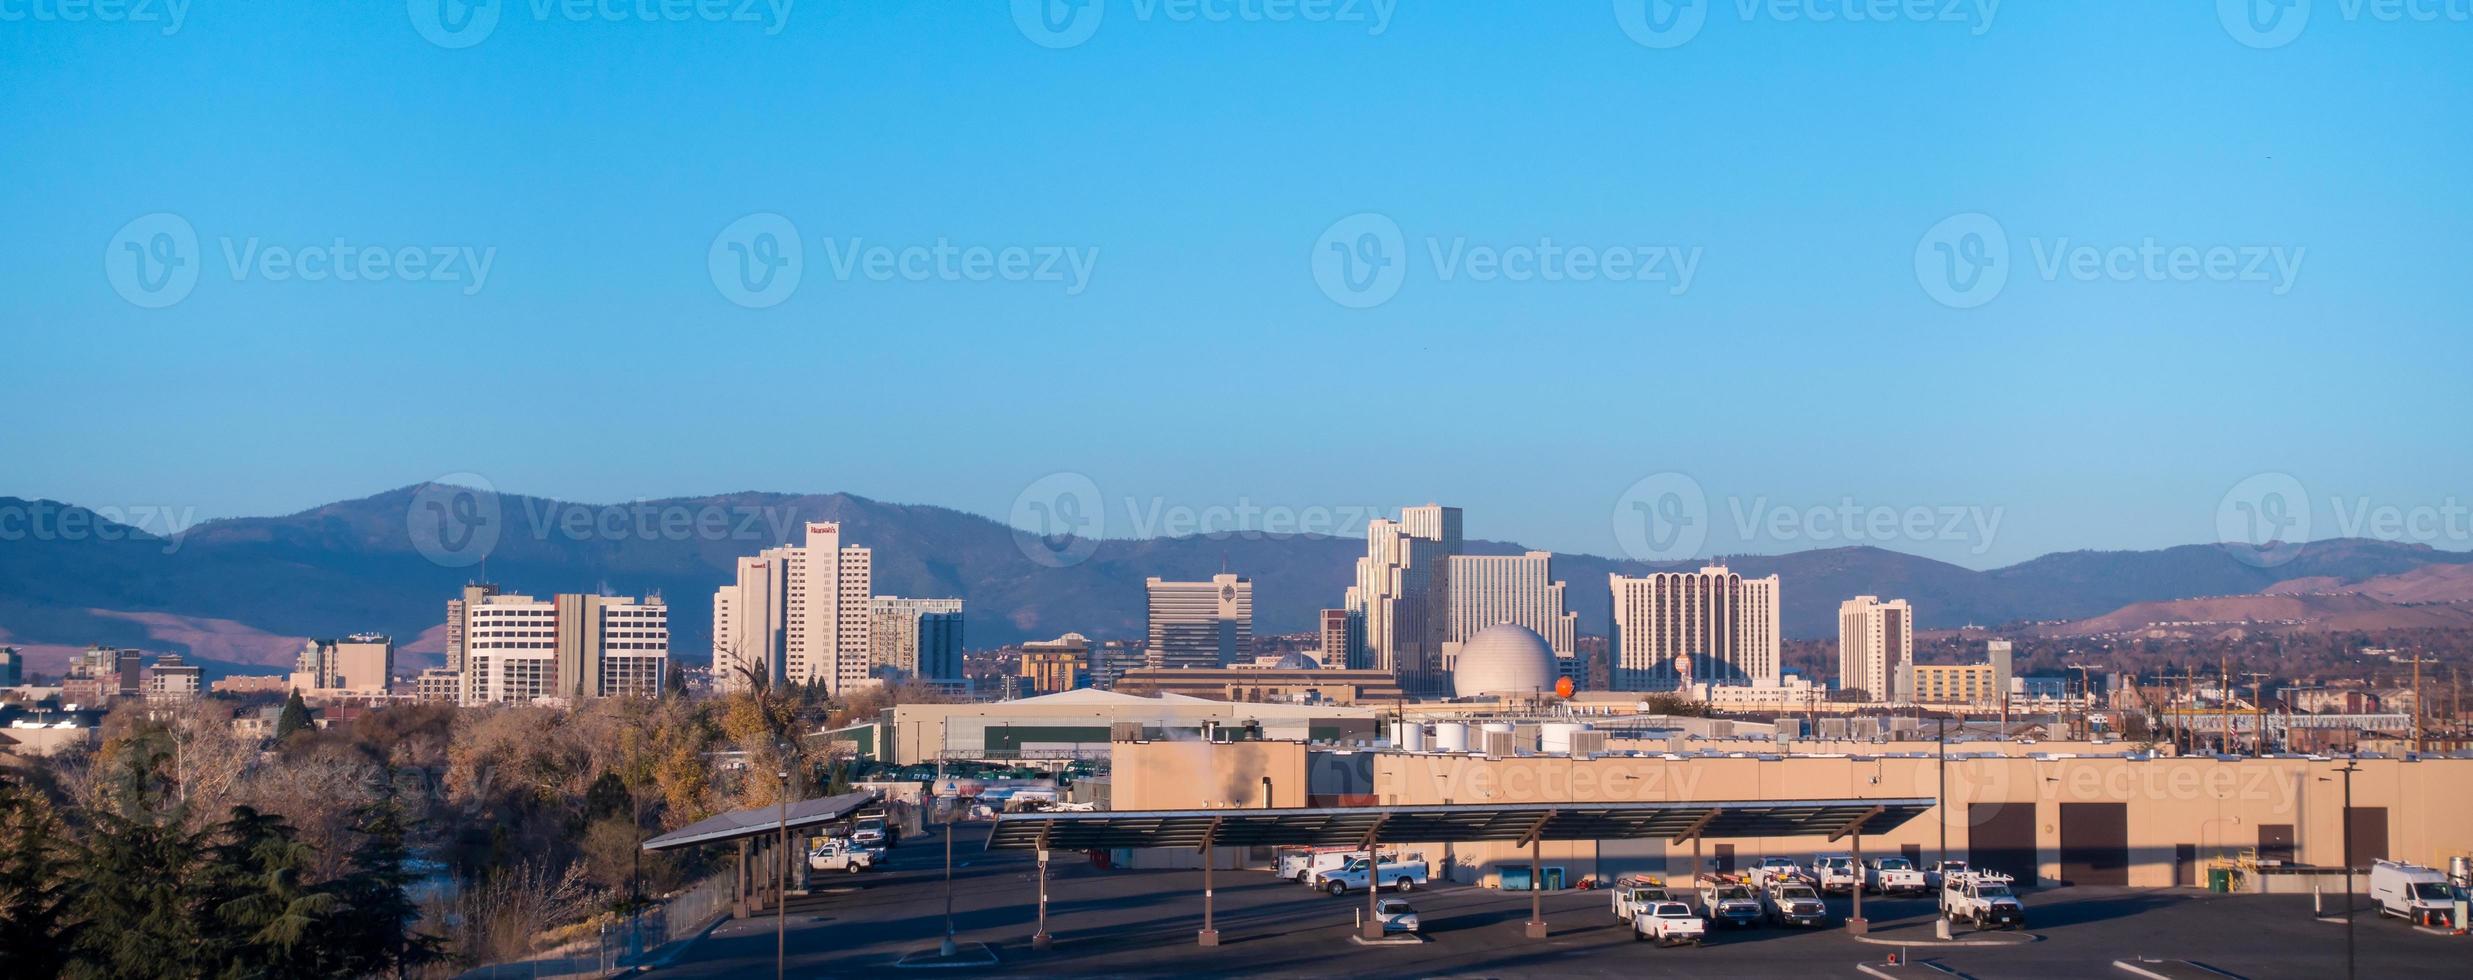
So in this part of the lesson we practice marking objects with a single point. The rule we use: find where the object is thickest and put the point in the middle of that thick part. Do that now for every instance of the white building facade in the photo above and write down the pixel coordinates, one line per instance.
(1402, 595)
(798, 614)
(1680, 628)
(917, 638)
(1876, 643)
(1200, 624)
(518, 648)
(1490, 590)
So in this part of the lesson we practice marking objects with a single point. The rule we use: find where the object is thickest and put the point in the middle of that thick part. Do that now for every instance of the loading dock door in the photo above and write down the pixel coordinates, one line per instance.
(2001, 837)
(2366, 828)
(2275, 843)
(2095, 843)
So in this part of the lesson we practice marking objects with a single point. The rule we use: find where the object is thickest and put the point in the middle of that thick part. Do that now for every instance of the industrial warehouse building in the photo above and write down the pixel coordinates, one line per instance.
(1082, 724)
(2047, 814)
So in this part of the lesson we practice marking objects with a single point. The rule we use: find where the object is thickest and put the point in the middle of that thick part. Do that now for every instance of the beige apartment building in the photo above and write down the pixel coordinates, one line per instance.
(2047, 818)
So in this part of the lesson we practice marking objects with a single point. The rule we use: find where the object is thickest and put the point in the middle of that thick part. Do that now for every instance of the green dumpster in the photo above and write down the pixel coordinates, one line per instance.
(2220, 879)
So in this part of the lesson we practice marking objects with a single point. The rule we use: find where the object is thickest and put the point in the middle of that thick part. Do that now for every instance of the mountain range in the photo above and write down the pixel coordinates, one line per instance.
(240, 594)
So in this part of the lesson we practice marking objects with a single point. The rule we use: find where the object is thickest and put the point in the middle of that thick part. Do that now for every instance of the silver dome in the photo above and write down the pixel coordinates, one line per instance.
(1503, 660)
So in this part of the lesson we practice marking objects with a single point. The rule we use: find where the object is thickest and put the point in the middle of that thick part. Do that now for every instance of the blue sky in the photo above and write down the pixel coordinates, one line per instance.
(1200, 166)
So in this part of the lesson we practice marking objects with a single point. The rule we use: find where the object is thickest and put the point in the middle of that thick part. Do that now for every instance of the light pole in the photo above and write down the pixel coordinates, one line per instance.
(1941, 804)
(2351, 766)
(781, 874)
(946, 948)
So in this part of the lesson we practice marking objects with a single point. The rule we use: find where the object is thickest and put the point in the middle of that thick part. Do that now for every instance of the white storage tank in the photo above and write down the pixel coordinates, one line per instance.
(1450, 736)
(1554, 737)
(1411, 737)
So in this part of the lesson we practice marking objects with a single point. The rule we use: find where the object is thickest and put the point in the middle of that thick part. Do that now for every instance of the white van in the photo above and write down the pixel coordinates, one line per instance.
(2414, 893)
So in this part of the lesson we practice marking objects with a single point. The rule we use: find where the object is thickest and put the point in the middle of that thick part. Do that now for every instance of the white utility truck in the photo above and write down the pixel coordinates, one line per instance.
(1729, 903)
(2416, 894)
(1985, 902)
(1635, 894)
(1670, 924)
(1793, 903)
(1400, 875)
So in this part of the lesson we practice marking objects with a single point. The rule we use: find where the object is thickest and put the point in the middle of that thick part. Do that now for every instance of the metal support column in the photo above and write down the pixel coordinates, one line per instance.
(1210, 932)
(1855, 923)
(1041, 939)
(738, 897)
(1536, 891)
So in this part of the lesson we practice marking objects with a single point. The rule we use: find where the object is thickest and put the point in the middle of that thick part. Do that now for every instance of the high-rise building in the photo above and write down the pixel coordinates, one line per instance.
(12, 667)
(1061, 664)
(1200, 624)
(363, 663)
(173, 680)
(1712, 626)
(1876, 642)
(917, 638)
(1490, 590)
(1342, 641)
(518, 648)
(798, 614)
(473, 593)
(1402, 595)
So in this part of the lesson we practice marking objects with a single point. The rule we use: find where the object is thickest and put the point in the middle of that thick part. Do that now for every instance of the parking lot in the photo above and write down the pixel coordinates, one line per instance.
(1143, 923)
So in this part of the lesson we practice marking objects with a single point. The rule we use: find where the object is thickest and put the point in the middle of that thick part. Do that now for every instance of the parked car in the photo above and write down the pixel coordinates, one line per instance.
(1670, 924)
(1793, 903)
(870, 832)
(1396, 915)
(2416, 894)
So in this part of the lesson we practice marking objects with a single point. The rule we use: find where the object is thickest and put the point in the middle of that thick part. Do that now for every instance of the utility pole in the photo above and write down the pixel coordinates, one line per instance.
(2350, 767)
(2417, 661)
(2086, 695)
(2258, 710)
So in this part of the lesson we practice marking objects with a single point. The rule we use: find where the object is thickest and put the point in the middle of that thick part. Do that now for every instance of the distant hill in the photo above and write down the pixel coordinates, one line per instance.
(245, 591)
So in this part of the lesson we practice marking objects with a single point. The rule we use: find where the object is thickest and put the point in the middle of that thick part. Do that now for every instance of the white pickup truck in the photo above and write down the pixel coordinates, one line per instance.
(1985, 902)
(1295, 865)
(2413, 893)
(1635, 896)
(1897, 876)
(1838, 874)
(838, 854)
(1730, 903)
(1793, 903)
(1776, 869)
(1670, 924)
(1401, 875)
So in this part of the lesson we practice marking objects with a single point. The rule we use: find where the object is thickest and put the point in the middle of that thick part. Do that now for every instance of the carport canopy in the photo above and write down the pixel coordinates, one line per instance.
(761, 821)
(1519, 823)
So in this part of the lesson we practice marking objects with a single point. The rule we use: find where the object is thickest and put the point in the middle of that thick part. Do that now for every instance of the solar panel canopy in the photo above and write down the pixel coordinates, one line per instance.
(1520, 823)
(759, 821)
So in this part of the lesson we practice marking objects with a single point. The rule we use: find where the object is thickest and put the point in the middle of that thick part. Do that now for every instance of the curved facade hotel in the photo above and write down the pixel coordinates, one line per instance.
(1711, 616)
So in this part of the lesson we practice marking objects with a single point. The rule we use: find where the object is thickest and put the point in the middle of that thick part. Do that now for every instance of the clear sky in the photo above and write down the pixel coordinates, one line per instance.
(601, 159)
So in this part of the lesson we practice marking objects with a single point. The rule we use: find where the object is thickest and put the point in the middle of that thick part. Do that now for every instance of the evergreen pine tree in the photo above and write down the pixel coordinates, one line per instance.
(33, 883)
(377, 938)
(261, 917)
(294, 718)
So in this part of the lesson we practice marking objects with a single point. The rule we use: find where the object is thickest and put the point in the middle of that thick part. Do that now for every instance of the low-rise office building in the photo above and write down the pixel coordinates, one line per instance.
(1083, 724)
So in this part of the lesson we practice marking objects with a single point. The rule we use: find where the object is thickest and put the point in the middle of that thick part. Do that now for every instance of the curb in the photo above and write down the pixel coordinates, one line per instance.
(2025, 938)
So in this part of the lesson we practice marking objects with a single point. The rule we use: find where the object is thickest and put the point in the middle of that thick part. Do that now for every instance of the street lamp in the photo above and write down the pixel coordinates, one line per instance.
(2351, 766)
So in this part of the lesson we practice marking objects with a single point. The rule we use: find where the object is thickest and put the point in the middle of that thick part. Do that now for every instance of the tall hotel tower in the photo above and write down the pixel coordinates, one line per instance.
(1723, 625)
(796, 614)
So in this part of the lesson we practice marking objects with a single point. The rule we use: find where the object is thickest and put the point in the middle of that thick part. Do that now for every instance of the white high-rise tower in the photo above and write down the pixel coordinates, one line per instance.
(1722, 624)
(1402, 595)
(798, 614)
(1876, 640)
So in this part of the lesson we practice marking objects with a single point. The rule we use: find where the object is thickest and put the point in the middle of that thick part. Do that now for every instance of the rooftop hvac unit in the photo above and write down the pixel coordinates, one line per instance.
(1125, 731)
(1587, 743)
(1451, 736)
(1411, 737)
(1500, 744)
(1721, 729)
